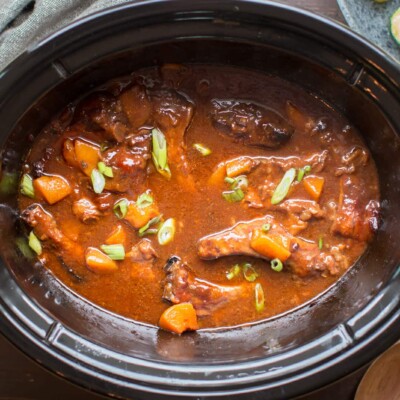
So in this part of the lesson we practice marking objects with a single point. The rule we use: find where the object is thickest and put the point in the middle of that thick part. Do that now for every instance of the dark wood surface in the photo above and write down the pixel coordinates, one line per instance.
(21, 378)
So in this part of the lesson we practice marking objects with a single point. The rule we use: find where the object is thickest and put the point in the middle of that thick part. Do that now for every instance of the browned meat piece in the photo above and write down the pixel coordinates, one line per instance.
(252, 124)
(173, 114)
(143, 256)
(305, 209)
(85, 210)
(305, 258)
(181, 285)
(46, 228)
(130, 164)
(104, 111)
(354, 158)
(143, 252)
(356, 216)
(136, 105)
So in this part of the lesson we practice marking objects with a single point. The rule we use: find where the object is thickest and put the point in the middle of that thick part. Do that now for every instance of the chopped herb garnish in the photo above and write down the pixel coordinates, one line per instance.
(283, 187)
(106, 171)
(320, 243)
(167, 232)
(144, 230)
(233, 195)
(249, 273)
(240, 182)
(159, 153)
(121, 208)
(203, 150)
(98, 181)
(114, 251)
(302, 172)
(259, 297)
(27, 186)
(233, 272)
(8, 182)
(34, 244)
(230, 180)
(266, 227)
(144, 200)
(276, 265)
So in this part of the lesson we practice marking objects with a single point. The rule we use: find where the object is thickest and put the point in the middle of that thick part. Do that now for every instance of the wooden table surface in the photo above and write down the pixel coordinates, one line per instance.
(21, 378)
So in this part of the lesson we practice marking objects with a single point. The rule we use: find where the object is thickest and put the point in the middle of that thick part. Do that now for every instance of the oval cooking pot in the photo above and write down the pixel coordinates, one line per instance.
(327, 338)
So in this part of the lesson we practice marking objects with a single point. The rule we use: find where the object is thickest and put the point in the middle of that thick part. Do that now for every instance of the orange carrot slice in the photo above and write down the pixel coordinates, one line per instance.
(268, 246)
(99, 262)
(117, 236)
(239, 166)
(52, 187)
(87, 155)
(314, 185)
(179, 318)
(138, 216)
(217, 177)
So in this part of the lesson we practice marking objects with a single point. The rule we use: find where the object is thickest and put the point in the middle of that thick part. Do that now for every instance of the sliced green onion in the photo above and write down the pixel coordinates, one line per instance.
(159, 153)
(240, 182)
(233, 195)
(121, 208)
(259, 297)
(106, 171)
(307, 169)
(300, 175)
(104, 146)
(144, 230)
(229, 180)
(266, 227)
(144, 200)
(276, 265)
(23, 247)
(34, 244)
(249, 273)
(283, 187)
(8, 183)
(320, 243)
(167, 232)
(98, 181)
(26, 186)
(114, 251)
(233, 272)
(203, 150)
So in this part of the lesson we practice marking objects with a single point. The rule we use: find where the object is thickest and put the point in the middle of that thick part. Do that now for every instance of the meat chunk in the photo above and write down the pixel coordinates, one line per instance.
(356, 157)
(143, 252)
(305, 258)
(46, 228)
(129, 161)
(85, 210)
(143, 257)
(357, 217)
(103, 111)
(251, 124)
(181, 285)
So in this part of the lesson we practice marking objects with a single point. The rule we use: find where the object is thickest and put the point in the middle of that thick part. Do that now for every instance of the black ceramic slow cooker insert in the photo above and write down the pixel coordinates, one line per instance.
(329, 337)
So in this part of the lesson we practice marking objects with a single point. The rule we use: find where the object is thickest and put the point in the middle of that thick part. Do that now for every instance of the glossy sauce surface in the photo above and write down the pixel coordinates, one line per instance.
(226, 110)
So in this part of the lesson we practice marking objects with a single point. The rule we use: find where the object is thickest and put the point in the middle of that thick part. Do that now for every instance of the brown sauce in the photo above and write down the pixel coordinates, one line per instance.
(228, 111)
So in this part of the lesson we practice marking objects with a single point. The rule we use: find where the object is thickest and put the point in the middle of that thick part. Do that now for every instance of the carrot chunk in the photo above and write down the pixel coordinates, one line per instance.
(138, 216)
(52, 187)
(117, 236)
(240, 166)
(99, 262)
(87, 155)
(179, 318)
(217, 177)
(268, 246)
(314, 185)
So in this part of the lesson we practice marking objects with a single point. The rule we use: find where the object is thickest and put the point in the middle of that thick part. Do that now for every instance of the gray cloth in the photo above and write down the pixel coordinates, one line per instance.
(25, 22)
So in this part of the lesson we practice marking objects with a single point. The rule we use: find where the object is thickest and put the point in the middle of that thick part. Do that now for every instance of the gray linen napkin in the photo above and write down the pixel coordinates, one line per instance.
(24, 22)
